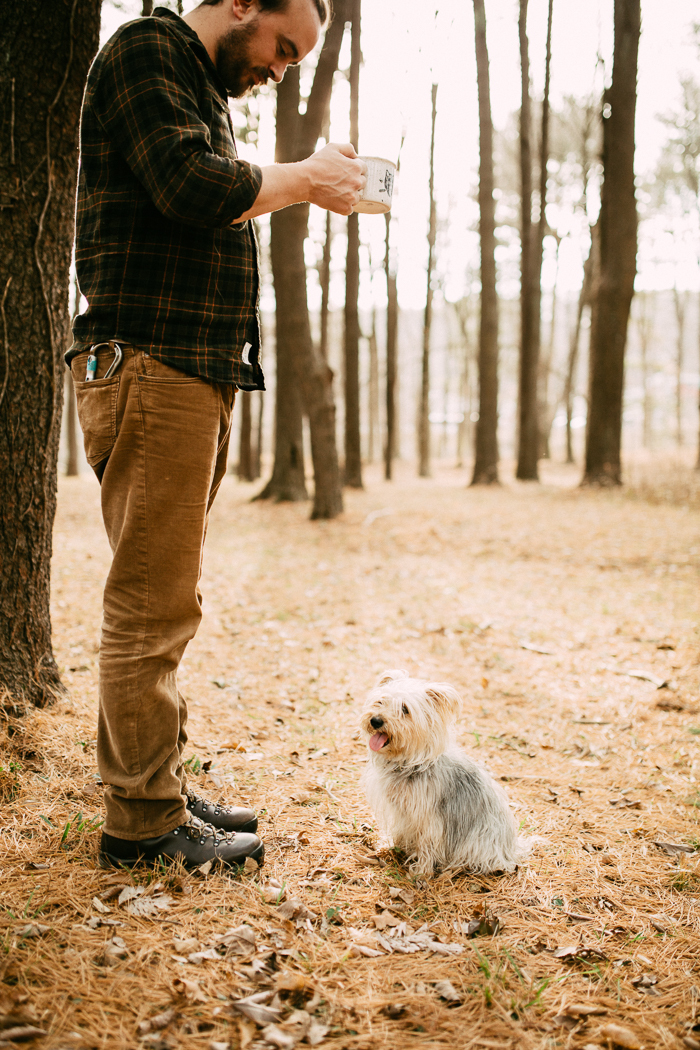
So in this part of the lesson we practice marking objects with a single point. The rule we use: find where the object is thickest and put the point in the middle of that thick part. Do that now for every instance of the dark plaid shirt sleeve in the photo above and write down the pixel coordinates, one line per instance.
(161, 258)
(147, 102)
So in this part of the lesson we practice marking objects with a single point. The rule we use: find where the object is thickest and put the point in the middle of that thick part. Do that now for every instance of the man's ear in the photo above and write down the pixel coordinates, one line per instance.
(242, 10)
(391, 676)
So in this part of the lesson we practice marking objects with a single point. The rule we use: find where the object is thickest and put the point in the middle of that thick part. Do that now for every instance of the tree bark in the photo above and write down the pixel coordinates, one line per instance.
(297, 356)
(325, 282)
(544, 419)
(71, 409)
(373, 399)
(528, 436)
(697, 463)
(392, 324)
(257, 456)
(618, 255)
(353, 451)
(47, 52)
(245, 443)
(645, 328)
(486, 438)
(679, 304)
(146, 8)
(72, 464)
(424, 407)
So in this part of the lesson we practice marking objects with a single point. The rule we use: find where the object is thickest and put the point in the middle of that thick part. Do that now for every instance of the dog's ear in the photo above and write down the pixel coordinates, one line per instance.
(446, 698)
(391, 676)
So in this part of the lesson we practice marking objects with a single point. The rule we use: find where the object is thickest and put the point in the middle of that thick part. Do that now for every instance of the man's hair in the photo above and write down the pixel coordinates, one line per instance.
(322, 7)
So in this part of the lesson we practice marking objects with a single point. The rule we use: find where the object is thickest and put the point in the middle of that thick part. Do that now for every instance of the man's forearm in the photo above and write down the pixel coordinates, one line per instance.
(330, 178)
(282, 185)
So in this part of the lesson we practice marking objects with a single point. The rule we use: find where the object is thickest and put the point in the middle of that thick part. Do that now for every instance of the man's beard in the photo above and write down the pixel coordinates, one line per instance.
(233, 61)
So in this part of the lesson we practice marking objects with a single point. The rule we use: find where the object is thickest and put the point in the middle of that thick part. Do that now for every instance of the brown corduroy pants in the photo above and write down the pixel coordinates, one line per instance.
(157, 440)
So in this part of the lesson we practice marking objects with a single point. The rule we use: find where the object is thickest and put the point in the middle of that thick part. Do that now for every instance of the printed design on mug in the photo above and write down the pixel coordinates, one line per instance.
(387, 183)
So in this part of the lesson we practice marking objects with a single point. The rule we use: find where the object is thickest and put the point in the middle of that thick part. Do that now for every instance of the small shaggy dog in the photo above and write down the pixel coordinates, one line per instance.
(437, 805)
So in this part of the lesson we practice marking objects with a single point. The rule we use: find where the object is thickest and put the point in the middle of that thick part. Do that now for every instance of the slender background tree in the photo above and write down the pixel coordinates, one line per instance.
(486, 438)
(353, 446)
(424, 404)
(613, 285)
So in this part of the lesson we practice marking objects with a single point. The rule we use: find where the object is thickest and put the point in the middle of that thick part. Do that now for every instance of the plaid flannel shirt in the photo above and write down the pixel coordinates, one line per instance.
(159, 257)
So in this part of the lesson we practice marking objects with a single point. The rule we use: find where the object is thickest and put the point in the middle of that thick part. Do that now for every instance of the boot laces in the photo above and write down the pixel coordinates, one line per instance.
(197, 830)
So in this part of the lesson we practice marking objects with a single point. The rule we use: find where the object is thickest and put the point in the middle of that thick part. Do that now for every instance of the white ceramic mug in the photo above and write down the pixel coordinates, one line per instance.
(375, 198)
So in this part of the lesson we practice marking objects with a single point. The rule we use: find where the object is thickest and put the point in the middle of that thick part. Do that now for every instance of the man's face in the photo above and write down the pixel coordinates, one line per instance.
(261, 45)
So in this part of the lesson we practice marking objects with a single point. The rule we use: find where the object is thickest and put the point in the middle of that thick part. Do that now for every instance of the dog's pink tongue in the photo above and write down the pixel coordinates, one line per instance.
(378, 741)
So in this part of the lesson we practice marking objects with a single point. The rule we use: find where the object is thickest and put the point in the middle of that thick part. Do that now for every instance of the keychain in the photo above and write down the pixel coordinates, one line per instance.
(92, 360)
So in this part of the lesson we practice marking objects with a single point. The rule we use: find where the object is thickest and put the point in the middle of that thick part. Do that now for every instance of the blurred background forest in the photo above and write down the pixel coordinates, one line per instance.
(406, 49)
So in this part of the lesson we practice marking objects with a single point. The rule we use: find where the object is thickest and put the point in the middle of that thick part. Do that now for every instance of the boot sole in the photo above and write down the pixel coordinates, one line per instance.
(109, 861)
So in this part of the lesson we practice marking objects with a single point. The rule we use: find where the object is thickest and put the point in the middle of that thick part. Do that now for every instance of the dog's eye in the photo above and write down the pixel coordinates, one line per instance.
(404, 709)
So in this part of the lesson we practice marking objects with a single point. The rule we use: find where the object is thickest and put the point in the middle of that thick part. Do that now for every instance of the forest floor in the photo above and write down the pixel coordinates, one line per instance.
(537, 602)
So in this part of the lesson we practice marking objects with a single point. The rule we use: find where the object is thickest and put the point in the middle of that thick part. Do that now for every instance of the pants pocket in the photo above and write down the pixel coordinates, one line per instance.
(96, 403)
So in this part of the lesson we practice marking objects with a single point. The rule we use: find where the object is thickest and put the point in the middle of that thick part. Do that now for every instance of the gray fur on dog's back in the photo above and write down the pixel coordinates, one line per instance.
(447, 812)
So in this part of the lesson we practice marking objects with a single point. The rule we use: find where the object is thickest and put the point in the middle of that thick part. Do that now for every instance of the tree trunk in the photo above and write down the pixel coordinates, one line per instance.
(72, 464)
(47, 49)
(544, 418)
(424, 407)
(245, 444)
(287, 483)
(353, 451)
(528, 437)
(297, 356)
(679, 304)
(373, 389)
(146, 7)
(697, 464)
(257, 457)
(392, 324)
(645, 327)
(584, 300)
(461, 309)
(486, 438)
(618, 256)
(325, 282)
(546, 412)
(71, 408)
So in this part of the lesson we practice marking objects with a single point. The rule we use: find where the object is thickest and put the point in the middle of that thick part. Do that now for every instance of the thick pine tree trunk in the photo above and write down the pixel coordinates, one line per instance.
(614, 288)
(297, 357)
(47, 49)
(392, 325)
(486, 438)
(528, 436)
(353, 449)
(424, 406)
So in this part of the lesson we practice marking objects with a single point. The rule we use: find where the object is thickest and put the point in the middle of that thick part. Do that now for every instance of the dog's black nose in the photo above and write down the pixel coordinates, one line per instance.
(376, 722)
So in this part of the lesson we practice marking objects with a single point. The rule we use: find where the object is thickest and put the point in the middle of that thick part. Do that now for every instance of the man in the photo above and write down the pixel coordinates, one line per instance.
(167, 260)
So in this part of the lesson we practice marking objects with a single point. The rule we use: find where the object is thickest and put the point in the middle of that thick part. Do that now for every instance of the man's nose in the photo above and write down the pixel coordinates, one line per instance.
(277, 71)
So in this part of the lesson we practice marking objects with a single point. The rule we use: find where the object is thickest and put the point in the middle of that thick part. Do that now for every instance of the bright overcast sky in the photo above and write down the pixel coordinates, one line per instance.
(406, 47)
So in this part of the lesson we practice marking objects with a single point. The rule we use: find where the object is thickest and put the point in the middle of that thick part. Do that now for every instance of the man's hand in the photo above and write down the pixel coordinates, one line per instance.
(331, 178)
(336, 175)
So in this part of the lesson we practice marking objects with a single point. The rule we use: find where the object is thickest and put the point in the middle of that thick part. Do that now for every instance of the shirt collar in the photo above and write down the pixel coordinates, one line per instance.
(197, 45)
